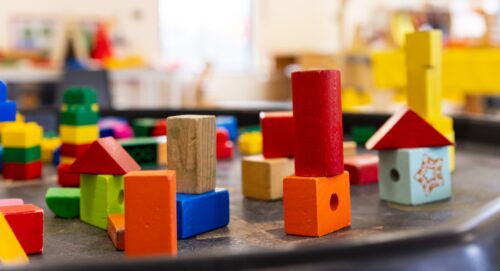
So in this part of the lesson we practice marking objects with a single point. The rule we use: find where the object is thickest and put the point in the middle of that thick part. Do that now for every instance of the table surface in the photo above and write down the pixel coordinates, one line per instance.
(257, 224)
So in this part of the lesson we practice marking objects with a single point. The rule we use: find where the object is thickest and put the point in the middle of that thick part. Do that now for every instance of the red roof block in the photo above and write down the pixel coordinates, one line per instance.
(406, 129)
(104, 156)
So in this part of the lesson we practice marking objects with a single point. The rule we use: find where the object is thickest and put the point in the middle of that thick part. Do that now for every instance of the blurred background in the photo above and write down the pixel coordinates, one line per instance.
(226, 53)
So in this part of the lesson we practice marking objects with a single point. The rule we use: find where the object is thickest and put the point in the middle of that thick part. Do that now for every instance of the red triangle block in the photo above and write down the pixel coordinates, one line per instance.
(104, 156)
(406, 129)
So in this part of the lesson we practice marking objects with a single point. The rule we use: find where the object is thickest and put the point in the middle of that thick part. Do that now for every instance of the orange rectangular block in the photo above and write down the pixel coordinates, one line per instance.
(316, 206)
(150, 213)
(116, 230)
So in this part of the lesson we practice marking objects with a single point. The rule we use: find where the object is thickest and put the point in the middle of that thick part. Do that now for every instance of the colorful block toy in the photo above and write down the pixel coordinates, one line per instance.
(84, 134)
(11, 251)
(7, 108)
(144, 150)
(197, 214)
(250, 143)
(363, 168)
(116, 230)
(26, 221)
(277, 134)
(65, 178)
(64, 202)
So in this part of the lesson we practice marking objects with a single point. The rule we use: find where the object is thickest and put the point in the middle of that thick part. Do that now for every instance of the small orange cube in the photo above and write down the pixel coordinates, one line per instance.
(316, 206)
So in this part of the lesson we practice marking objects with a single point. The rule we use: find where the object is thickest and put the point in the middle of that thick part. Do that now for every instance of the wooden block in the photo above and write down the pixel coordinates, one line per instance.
(262, 178)
(100, 195)
(73, 150)
(350, 149)
(22, 171)
(26, 221)
(64, 201)
(7, 108)
(11, 202)
(250, 143)
(150, 213)
(49, 145)
(65, 178)
(22, 155)
(191, 152)
(277, 134)
(104, 156)
(414, 176)
(22, 135)
(11, 252)
(197, 214)
(363, 168)
(316, 206)
(143, 127)
(424, 49)
(144, 150)
(406, 129)
(84, 134)
(116, 230)
(160, 128)
(225, 150)
(317, 115)
(230, 123)
(424, 91)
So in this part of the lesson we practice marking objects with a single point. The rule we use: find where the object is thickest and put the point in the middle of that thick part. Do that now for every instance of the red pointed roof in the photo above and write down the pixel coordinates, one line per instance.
(406, 129)
(104, 156)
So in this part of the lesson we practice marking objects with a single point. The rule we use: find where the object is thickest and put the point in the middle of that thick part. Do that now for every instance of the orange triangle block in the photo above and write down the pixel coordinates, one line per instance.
(406, 129)
(104, 156)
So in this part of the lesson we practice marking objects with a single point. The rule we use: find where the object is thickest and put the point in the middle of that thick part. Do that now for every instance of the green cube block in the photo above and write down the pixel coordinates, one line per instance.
(21, 155)
(144, 150)
(80, 95)
(143, 127)
(361, 134)
(79, 117)
(101, 195)
(64, 201)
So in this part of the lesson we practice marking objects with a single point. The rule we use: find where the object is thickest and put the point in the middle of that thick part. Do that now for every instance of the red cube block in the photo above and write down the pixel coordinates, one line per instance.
(22, 171)
(317, 117)
(278, 134)
(66, 178)
(225, 150)
(363, 168)
(26, 221)
(222, 135)
(73, 150)
(160, 128)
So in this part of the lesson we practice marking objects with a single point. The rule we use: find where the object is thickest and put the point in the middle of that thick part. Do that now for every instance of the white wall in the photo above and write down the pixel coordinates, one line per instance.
(141, 34)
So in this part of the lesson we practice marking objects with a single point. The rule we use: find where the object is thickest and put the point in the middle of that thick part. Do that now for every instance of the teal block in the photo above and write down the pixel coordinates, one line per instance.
(64, 201)
(414, 176)
(100, 195)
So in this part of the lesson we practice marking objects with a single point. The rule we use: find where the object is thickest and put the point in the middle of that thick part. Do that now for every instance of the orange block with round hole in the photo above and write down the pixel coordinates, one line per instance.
(316, 206)
(150, 213)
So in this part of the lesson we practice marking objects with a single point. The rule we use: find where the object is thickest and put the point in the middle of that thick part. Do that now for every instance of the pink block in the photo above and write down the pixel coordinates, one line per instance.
(123, 130)
(11, 202)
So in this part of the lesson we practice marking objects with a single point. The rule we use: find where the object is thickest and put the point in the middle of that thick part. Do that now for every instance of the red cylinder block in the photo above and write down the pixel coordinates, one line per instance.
(317, 115)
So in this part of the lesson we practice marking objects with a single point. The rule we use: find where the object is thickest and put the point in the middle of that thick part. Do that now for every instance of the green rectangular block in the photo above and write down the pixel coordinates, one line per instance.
(79, 117)
(144, 150)
(100, 195)
(21, 155)
(64, 201)
(143, 127)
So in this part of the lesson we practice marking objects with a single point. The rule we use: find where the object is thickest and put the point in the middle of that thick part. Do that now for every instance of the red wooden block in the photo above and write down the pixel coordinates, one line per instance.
(22, 171)
(318, 123)
(277, 134)
(221, 135)
(104, 156)
(26, 221)
(363, 168)
(73, 150)
(406, 129)
(65, 178)
(225, 150)
(160, 128)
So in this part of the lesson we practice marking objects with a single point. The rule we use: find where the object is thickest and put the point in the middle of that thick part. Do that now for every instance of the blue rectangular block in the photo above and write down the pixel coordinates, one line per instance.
(7, 111)
(230, 123)
(200, 213)
(105, 132)
(414, 176)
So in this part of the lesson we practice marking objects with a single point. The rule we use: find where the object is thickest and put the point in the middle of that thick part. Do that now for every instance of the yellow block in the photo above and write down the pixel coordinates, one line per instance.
(49, 145)
(22, 135)
(424, 91)
(250, 143)
(84, 134)
(11, 252)
(423, 49)
(67, 160)
(443, 124)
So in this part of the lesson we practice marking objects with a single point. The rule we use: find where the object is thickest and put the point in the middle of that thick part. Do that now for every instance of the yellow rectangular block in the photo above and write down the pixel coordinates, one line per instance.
(424, 49)
(49, 145)
(444, 125)
(424, 91)
(67, 160)
(83, 134)
(22, 135)
(11, 252)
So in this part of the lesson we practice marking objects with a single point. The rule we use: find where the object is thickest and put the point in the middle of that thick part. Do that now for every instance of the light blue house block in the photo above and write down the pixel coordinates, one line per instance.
(414, 176)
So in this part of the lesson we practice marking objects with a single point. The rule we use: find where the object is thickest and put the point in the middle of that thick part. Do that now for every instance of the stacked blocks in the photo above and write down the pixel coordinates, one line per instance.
(225, 147)
(150, 213)
(414, 163)
(11, 251)
(424, 90)
(78, 129)
(191, 153)
(7, 108)
(316, 201)
(22, 152)
(230, 123)
(64, 202)
(26, 221)
(101, 168)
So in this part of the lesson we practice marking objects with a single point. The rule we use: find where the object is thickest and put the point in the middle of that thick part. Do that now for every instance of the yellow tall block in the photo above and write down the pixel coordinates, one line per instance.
(424, 91)
(22, 135)
(83, 134)
(423, 49)
(11, 252)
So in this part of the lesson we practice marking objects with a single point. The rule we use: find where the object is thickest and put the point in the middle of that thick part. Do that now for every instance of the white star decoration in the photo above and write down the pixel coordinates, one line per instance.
(436, 165)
